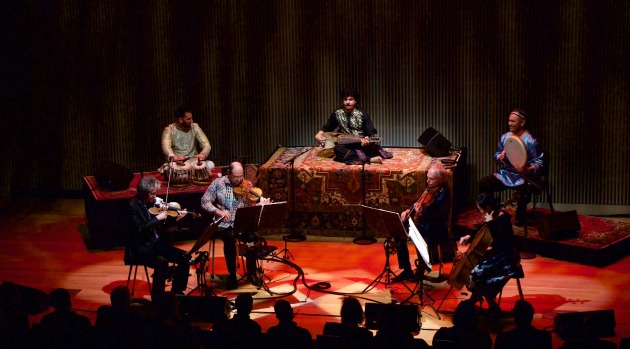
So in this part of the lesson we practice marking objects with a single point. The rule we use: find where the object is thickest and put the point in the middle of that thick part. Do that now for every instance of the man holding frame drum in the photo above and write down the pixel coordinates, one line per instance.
(520, 156)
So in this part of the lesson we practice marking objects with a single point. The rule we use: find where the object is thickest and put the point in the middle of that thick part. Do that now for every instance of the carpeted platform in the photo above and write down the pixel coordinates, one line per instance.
(328, 194)
(600, 241)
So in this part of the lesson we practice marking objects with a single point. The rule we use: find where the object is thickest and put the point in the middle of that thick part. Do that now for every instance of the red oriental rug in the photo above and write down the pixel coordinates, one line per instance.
(327, 195)
(600, 241)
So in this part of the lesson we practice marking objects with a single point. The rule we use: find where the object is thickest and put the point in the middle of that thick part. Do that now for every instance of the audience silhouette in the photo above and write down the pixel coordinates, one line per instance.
(63, 328)
(239, 331)
(128, 323)
(524, 335)
(392, 333)
(287, 334)
(351, 334)
(464, 331)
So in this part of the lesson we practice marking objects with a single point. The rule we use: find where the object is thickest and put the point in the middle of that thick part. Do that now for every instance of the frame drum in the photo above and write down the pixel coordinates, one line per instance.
(180, 173)
(515, 151)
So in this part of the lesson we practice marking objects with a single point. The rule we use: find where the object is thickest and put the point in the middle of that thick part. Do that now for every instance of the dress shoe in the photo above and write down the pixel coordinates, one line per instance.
(231, 285)
(404, 276)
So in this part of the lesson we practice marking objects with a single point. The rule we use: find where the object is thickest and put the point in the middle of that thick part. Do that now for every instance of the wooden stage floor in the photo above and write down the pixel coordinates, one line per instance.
(41, 247)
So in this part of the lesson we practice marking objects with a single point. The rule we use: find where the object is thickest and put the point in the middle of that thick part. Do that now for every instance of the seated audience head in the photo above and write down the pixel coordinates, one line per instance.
(523, 312)
(465, 316)
(244, 304)
(283, 310)
(436, 175)
(351, 311)
(120, 297)
(60, 299)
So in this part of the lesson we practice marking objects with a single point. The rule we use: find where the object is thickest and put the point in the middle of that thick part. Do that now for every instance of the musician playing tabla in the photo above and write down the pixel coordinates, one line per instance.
(430, 215)
(499, 262)
(349, 119)
(142, 239)
(221, 201)
(181, 138)
(510, 177)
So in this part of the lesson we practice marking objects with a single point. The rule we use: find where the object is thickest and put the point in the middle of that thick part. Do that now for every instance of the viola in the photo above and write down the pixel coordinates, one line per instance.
(171, 208)
(247, 188)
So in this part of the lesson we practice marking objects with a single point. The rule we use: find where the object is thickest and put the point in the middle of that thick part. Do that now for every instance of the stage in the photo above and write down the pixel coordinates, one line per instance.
(42, 248)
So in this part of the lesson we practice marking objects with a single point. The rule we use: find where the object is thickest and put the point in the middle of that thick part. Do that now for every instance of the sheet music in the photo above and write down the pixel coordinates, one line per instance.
(418, 240)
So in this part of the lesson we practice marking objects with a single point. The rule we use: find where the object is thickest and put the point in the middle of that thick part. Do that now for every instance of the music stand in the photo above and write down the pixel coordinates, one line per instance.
(252, 219)
(201, 271)
(273, 215)
(423, 248)
(386, 224)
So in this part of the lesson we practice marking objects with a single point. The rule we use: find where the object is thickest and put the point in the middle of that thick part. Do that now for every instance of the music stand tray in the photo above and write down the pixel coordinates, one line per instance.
(273, 215)
(246, 219)
(386, 224)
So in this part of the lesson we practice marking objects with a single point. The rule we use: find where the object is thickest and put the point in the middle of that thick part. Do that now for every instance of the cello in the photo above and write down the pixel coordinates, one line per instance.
(460, 275)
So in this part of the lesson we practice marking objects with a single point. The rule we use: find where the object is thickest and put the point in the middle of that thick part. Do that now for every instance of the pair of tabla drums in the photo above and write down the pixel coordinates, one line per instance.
(181, 173)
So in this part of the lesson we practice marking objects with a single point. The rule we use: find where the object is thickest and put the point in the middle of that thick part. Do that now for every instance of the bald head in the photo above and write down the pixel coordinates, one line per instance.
(436, 175)
(236, 173)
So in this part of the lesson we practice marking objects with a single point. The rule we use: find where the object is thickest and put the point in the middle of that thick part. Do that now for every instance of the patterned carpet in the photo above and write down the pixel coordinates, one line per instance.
(328, 194)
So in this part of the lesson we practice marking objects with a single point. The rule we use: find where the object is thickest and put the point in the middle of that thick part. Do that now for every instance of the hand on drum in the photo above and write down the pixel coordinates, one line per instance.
(501, 156)
(200, 157)
(179, 158)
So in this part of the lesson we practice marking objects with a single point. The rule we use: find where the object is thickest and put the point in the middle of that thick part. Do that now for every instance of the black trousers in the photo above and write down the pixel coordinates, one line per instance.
(229, 251)
(161, 254)
(491, 184)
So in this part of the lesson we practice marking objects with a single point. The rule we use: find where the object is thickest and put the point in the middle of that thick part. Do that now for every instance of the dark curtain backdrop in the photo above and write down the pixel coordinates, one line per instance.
(85, 81)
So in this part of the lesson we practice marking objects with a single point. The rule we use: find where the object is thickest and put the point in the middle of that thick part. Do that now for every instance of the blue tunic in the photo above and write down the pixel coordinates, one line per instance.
(508, 176)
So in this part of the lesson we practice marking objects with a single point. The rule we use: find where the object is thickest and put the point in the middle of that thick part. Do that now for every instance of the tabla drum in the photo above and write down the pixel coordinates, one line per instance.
(515, 151)
(179, 172)
(201, 172)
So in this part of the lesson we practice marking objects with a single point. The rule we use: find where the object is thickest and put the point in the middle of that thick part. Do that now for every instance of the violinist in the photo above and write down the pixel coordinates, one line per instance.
(499, 262)
(430, 215)
(143, 245)
(222, 199)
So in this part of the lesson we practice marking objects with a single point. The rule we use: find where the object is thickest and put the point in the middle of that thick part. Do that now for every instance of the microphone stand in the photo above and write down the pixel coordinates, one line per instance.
(364, 239)
(291, 163)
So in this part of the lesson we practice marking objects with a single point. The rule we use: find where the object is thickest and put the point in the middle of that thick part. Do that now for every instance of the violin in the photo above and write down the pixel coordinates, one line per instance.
(247, 188)
(426, 199)
(171, 208)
